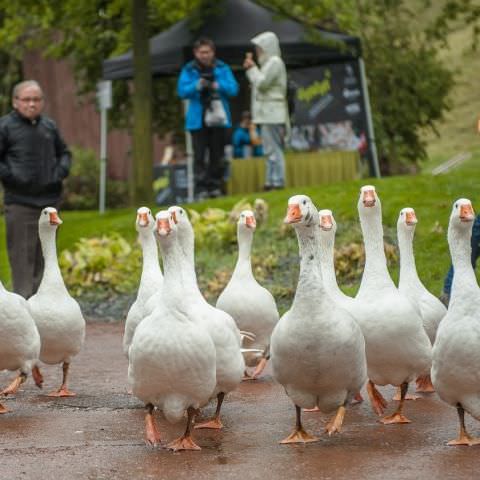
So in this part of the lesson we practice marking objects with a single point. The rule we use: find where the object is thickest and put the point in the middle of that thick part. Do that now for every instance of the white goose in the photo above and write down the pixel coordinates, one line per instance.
(317, 348)
(19, 340)
(151, 279)
(328, 229)
(172, 357)
(230, 364)
(398, 349)
(431, 308)
(252, 307)
(57, 315)
(456, 353)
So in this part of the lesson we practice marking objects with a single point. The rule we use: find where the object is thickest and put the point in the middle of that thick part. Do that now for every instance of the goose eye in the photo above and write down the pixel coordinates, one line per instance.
(304, 202)
(456, 205)
(44, 213)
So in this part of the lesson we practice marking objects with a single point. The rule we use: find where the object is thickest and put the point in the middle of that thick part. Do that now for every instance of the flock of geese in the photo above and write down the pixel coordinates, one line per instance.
(183, 352)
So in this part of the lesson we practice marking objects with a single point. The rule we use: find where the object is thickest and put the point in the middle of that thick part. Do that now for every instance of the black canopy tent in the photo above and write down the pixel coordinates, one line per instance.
(231, 26)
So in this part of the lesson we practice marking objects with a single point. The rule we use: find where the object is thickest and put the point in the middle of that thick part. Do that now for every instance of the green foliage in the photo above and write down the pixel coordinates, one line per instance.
(107, 265)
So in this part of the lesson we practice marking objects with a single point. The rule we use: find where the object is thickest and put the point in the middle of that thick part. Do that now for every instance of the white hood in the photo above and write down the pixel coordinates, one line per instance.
(270, 45)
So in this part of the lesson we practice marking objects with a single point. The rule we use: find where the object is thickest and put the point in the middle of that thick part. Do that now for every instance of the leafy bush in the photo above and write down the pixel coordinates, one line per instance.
(81, 186)
(107, 265)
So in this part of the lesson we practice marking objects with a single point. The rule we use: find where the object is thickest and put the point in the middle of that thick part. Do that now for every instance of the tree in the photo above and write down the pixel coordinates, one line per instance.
(408, 83)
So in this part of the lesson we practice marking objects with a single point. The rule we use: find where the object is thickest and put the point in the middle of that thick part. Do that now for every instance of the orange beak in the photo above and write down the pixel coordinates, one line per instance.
(54, 219)
(466, 213)
(326, 222)
(174, 217)
(369, 198)
(294, 214)
(250, 222)
(163, 227)
(410, 219)
(143, 219)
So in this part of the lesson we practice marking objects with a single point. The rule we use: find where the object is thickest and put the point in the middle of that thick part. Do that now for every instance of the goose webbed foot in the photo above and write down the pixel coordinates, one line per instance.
(335, 424)
(37, 376)
(408, 396)
(63, 390)
(215, 423)
(15, 385)
(3, 409)
(379, 404)
(185, 442)
(259, 368)
(463, 437)
(152, 435)
(424, 384)
(312, 410)
(357, 398)
(398, 416)
(299, 435)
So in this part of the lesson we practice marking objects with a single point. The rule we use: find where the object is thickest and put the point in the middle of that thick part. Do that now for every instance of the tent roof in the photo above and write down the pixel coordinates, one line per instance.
(231, 29)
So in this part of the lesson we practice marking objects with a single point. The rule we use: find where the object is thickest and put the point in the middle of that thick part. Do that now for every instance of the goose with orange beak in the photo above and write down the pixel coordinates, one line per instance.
(397, 346)
(57, 315)
(172, 357)
(456, 353)
(151, 279)
(218, 324)
(252, 306)
(430, 307)
(317, 348)
(328, 229)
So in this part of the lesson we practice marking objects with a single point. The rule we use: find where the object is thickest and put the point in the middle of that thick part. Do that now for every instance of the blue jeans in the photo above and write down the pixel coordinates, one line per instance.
(447, 285)
(273, 149)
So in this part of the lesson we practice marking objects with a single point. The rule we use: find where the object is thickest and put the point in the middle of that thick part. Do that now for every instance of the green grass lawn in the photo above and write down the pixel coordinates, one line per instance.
(432, 198)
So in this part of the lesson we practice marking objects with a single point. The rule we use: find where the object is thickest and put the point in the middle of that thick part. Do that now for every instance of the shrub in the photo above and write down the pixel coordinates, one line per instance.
(107, 265)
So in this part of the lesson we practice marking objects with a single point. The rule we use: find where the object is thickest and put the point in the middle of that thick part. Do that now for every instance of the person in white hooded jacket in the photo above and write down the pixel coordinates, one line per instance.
(269, 103)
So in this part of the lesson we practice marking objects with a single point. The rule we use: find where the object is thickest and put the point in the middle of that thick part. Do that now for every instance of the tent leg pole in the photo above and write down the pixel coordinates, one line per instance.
(375, 169)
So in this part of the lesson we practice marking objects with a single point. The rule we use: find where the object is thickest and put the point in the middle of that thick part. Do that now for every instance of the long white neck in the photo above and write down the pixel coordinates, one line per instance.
(52, 276)
(243, 267)
(327, 252)
(150, 269)
(310, 282)
(175, 267)
(190, 286)
(408, 272)
(464, 281)
(375, 273)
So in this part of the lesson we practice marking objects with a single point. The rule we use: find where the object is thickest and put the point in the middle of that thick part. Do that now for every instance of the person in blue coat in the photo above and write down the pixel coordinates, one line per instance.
(207, 83)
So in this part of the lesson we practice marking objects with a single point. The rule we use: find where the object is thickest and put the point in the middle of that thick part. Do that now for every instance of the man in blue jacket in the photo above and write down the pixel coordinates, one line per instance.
(207, 83)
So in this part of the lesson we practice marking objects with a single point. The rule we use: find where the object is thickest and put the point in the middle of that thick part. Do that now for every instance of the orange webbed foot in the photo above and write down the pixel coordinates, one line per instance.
(397, 417)
(259, 369)
(37, 377)
(152, 435)
(12, 389)
(424, 384)
(3, 409)
(357, 398)
(312, 410)
(335, 425)
(376, 399)
(62, 392)
(299, 436)
(183, 443)
(408, 396)
(465, 440)
(214, 424)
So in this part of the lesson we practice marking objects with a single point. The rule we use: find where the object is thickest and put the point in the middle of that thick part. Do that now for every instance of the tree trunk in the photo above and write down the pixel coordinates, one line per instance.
(142, 110)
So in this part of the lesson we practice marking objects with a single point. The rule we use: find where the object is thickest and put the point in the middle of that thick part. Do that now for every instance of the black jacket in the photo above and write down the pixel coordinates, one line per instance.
(33, 160)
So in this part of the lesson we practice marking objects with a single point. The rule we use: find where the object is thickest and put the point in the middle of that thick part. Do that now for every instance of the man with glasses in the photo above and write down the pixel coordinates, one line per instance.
(34, 160)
